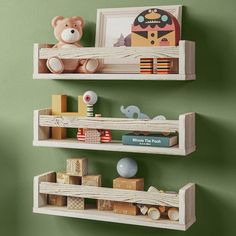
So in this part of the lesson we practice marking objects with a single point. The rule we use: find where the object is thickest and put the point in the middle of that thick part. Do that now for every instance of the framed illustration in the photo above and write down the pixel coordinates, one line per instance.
(114, 30)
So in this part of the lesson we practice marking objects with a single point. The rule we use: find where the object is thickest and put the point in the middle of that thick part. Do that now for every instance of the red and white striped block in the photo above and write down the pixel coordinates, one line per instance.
(80, 135)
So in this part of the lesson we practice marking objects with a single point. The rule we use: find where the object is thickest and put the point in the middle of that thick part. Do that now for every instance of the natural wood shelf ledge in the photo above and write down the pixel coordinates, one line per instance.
(185, 126)
(185, 200)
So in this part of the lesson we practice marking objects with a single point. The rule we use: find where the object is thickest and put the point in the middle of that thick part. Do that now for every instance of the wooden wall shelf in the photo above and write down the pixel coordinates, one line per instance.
(185, 126)
(185, 200)
(185, 52)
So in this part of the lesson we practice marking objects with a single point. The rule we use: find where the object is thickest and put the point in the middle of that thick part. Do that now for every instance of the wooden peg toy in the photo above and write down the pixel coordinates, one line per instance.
(90, 98)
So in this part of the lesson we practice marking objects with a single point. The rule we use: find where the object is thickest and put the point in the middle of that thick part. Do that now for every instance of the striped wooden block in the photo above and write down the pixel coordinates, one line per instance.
(89, 110)
(146, 65)
(162, 65)
(106, 137)
(81, 135)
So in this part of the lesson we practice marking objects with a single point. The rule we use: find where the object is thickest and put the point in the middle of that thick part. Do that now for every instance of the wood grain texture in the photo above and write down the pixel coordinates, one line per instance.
(102, 193)
(109, 123)
(110, 76)
(41, 199)
(185, 199)
(114, 146)
(187, 204)
(187, 131)
(185, 125)
(41, 133)
(109, 52)
(108, 216)
(186, 57)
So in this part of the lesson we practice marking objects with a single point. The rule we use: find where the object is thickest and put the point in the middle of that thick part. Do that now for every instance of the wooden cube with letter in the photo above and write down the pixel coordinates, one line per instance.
(57, 200)
(64, 178)
(77, 166)
(92, 180)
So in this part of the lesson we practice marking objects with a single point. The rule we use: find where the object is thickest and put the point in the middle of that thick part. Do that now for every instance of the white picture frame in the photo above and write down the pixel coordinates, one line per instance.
(111, 22)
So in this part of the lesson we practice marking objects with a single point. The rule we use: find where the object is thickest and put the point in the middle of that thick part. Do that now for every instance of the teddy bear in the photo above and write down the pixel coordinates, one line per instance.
(68, 32)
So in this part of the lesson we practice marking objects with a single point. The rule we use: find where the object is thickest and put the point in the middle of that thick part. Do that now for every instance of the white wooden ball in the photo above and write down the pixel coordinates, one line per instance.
(127, 167)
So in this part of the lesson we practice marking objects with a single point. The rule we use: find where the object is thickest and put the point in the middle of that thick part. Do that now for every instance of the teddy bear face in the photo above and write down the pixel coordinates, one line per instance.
(68, 30)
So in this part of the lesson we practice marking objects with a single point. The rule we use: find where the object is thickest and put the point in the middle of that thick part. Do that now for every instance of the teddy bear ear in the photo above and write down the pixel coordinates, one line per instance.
(55, 20)
(79, 20)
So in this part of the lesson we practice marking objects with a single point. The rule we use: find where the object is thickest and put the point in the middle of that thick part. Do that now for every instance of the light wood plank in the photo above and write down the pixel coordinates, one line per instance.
(41, 199)
(109, 53)
(187, 204)
(109, 123)
(139, 77)
(109, 216)
(187, 131)
(121, 195)
(115, 146)
(41, 133)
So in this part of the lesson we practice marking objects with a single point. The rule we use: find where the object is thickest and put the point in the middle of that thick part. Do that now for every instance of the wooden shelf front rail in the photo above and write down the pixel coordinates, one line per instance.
(185, 52)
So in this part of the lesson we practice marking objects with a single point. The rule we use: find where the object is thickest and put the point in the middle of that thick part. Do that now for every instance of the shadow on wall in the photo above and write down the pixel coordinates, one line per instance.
(8, 176)
(215, 141)
(212, 56)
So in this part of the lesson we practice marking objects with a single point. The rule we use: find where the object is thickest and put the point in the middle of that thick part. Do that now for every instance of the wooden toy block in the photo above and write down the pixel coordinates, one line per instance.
(166, 65)
(75, 203)
(131, 184)
(92, 136)
(104, 205)
(82, 108)
(106, 136)
(81, 135)
(146, 65)
(77, 166)
(125, 208)
(70, 114)
(59, 105)
(56, 200)
(64, 178)
(92, 180)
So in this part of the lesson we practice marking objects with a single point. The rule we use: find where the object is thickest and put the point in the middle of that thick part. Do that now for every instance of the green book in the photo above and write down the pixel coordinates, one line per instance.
(152, 140)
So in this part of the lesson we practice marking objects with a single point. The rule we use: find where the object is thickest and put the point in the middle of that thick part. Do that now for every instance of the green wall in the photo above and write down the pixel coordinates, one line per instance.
(212, 167)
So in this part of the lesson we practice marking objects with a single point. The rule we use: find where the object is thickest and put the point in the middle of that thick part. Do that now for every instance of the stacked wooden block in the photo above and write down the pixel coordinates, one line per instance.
(130, 184)
(77, 173)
